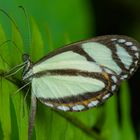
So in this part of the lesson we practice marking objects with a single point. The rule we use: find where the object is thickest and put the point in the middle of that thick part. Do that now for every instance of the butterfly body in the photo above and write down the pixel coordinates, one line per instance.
(84, 74)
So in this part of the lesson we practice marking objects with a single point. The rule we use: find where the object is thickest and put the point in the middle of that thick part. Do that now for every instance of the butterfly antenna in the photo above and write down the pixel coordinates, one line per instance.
(11, 41)
(27, 23)
(11, 19)
(7, 41)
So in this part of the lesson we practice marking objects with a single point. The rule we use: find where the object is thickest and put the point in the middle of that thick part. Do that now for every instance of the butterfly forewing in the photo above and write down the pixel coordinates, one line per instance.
(84, 74)
(120, 54)
(125, 53)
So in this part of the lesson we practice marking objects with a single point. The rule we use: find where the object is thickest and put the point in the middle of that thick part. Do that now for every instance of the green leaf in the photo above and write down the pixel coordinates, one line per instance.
(12, 107)
(5, 98)
(5, 110)
(111, 129)
(16, 50)
(37, 48)
(127, 128)
(3, 51)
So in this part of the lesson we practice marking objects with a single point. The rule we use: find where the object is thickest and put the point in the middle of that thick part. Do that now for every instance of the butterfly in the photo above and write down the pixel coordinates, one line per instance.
(84, 74)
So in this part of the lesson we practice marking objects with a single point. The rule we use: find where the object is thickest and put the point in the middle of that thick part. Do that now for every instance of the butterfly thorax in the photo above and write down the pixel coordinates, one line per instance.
(27, 70)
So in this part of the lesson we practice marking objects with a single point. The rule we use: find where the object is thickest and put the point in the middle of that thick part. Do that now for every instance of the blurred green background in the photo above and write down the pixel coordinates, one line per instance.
(53, 24)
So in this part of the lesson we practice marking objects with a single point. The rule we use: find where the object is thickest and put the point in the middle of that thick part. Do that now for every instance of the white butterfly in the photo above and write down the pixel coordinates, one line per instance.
(83, 74)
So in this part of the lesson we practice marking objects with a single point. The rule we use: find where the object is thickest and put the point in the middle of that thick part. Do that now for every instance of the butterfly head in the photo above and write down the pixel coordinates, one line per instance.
(27, 67)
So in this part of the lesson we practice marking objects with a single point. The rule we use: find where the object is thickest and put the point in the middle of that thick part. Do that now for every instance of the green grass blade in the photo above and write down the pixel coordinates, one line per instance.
(5, 118)
(127, 128)
(5, 110)
(111, 129)
(21, 110)
(37, 48)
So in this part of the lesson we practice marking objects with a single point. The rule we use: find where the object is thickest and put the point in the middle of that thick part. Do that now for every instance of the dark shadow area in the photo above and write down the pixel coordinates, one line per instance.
(121, 17)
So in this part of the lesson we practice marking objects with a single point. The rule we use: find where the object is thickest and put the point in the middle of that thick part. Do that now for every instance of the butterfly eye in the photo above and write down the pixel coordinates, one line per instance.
(25, 57)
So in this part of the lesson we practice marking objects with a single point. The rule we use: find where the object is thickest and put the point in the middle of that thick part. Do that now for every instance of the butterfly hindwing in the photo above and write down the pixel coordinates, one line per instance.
(73, 90)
